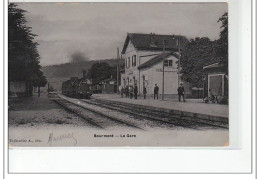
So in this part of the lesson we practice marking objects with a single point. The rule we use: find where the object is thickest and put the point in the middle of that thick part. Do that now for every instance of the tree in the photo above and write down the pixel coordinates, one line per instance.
(99, 72)
(23, 56)
(198, 53)
(222, 42)
(40, 81)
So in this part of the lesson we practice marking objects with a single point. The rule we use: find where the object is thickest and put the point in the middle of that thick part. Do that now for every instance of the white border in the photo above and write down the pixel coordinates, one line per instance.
(164, 160)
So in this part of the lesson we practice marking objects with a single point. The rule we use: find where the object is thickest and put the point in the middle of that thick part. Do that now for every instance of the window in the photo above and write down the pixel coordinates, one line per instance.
(168, 63)
(165, 63)
(126, 63)
(129, 62)
(134, 60)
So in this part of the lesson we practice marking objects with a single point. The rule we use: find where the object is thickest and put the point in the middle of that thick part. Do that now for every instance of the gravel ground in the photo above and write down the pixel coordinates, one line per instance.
(40, 112)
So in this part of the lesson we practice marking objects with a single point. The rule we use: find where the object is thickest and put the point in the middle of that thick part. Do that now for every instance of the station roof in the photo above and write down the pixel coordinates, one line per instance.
(154, 42)
(214, 65)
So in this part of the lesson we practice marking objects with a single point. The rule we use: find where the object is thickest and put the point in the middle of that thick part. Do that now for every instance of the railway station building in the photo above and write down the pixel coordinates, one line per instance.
(143, 55)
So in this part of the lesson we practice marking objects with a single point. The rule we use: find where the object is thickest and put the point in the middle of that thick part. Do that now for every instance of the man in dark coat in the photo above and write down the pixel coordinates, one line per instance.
(122, 92)
(144, 92)
(135, 91)
(156, 91)
(127, 91)
(181, 93)
(131, 92)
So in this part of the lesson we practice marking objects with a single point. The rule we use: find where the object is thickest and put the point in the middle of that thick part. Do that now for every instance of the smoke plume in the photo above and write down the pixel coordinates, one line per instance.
(78, 57)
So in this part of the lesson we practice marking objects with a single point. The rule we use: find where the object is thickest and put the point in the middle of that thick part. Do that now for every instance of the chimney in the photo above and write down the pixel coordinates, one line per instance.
(152, 41)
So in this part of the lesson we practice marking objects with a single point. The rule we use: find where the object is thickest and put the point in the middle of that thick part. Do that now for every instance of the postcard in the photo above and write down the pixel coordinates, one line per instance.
(118, 74)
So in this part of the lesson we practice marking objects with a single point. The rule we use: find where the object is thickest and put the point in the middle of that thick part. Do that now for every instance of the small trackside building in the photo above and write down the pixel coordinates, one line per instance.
(108, 85)
(217, 79)
(143, 55)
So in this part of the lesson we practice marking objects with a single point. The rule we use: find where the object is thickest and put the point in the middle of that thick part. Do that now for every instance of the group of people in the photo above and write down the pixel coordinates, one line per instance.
(132, 91)
(129, 91)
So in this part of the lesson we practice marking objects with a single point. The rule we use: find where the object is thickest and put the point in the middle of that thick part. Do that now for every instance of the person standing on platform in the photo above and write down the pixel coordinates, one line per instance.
(126, 91)
(181, 92)
(144, 92)
(122, 92)
(131, 92)
(156, 91)
(135, 91)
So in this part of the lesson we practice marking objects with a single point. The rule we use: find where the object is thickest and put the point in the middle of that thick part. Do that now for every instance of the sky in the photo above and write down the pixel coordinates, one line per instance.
(95, 30)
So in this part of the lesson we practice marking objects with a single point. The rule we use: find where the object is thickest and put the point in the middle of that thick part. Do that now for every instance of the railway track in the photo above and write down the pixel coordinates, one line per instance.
(122, 117)
(95, 118)
(65, 104)
(105, 114)
(155, 115)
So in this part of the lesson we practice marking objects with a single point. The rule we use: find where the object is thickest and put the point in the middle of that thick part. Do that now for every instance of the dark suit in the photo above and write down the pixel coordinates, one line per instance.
(156, 90)
(135, 91)
(181, 93)
(145, 92)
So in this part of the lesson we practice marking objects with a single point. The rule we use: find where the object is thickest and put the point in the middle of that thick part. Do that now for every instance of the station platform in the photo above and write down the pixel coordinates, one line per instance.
(196, 106)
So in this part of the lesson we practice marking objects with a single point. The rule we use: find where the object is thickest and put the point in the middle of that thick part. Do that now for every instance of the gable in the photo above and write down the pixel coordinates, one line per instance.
(130, 47)
(159, 58)
(170, 57)
(174, 60)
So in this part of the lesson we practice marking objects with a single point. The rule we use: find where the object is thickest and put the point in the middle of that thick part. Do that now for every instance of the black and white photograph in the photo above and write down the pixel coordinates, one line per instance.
(118, 74)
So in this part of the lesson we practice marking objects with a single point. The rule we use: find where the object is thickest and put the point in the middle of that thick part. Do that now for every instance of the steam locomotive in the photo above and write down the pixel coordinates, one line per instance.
(76, 88)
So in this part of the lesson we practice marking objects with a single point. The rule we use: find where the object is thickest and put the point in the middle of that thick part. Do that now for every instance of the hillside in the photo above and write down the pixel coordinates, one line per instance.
(56, 74)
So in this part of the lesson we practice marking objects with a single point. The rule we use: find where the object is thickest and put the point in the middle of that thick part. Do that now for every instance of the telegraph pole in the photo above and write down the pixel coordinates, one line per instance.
(163, 73)
(117, 72)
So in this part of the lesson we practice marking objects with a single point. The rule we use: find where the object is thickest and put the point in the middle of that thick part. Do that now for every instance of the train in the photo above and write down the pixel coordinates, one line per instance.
(77, 88)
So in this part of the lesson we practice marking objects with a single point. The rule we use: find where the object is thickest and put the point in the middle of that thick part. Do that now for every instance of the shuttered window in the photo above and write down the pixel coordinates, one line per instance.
(129, 64)
(134, 60)
(168, 63)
